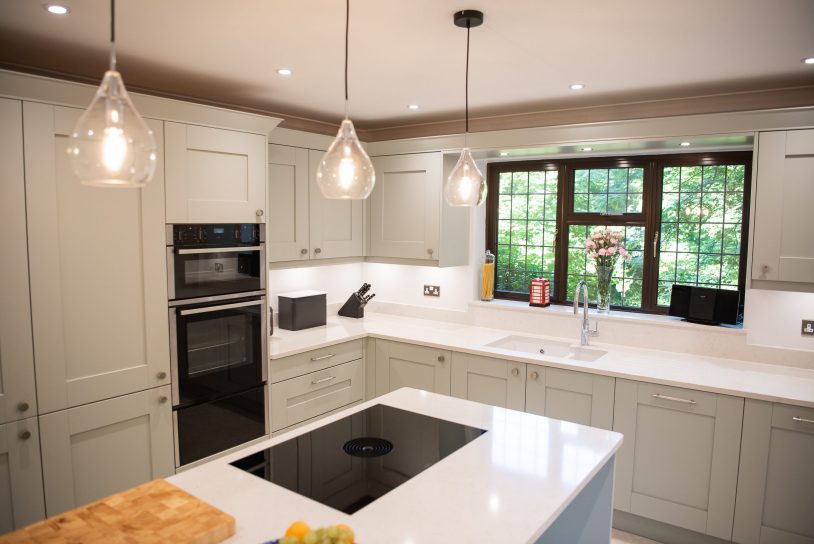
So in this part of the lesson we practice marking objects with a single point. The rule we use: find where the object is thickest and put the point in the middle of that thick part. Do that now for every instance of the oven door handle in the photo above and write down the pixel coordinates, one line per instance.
(238, 249)
(193, 311)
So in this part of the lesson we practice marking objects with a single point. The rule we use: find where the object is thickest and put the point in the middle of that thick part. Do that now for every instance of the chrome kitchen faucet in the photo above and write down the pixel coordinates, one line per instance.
(585, 331)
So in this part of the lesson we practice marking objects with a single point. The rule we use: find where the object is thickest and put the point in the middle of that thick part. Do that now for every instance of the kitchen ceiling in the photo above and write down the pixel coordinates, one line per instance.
(636, 58)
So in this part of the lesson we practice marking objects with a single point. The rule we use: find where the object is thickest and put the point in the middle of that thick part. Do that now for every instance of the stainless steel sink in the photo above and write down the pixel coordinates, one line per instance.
(553, 348)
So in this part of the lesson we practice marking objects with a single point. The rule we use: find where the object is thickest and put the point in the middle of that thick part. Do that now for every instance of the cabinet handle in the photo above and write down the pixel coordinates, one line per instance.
(303, 251)
(259, 213)
(322, 357)
(441, 358)
(674, 399)
(515, 371)
(25, 435)
(23, 406)
(161, 375)
(430, 252)
(534, 375)
(323, 380)
(162, 399)
(802, 420)
(317, 251)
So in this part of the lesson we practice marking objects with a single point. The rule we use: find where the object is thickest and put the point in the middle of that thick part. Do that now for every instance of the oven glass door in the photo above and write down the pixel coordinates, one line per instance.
(219, 349)
(204, 272)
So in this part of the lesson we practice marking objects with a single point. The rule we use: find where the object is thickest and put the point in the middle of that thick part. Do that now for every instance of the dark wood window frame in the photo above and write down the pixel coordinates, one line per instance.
(649, 218)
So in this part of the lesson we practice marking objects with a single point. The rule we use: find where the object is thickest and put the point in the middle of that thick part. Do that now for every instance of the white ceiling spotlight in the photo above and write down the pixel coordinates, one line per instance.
(111, 145)
(345, 171)
(57, 9)
(504, 153)
(413, 107)
(465, 185)
(285, 72)
(685, 144)
(576, 86)
(586, 148)
(808, 60)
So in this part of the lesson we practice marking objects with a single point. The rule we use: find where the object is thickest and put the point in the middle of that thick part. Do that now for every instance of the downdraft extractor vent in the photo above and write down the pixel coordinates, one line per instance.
(368, 446)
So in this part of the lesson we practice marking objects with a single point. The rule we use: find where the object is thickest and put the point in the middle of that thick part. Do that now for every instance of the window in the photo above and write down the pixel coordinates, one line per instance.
(683, 219)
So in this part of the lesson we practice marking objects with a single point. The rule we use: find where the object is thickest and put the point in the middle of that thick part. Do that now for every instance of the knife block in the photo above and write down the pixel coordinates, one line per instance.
(354, 307)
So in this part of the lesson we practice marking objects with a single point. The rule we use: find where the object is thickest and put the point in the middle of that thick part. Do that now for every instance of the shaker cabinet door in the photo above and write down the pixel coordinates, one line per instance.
(21, 498)
(99, 449)
(407, 365)
(214, 175)
(17, 395)
(490, 381)
(578, 397)
(287, 238)
(776, 476)
(679, 460)
(98, 273)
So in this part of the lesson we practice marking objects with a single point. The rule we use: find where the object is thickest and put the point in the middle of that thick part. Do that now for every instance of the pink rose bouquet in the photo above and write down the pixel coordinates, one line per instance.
(604, 247)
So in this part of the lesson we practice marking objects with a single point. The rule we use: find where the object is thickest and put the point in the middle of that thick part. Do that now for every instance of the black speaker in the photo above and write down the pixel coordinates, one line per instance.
(705, 305)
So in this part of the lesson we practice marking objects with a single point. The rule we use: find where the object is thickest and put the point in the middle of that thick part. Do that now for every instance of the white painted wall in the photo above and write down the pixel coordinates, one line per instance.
(338, 280)
(773, 318)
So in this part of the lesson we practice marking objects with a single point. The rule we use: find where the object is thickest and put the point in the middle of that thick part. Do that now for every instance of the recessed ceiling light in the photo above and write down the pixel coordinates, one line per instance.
(413, 107)
(285, 71)
(504, 153)
(576, 86)
(808, 60)
(587, 148)
(685, 144)
(57, 9)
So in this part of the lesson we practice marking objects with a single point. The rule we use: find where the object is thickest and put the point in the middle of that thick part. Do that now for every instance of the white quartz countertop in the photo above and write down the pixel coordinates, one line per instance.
(771, 382)
(508, 485)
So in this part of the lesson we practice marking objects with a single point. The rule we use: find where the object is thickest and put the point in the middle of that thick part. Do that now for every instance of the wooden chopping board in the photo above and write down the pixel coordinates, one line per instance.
(155, 512)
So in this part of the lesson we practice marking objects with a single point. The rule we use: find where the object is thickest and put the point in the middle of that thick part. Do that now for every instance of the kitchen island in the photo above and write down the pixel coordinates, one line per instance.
(525, 479)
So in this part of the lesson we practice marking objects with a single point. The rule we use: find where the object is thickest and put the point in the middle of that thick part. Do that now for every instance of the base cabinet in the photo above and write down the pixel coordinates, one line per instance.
(578, 397)
(98, 449)
(490, 381)
(679, 460)
(775, 499)
(406, 365)
(21, 498)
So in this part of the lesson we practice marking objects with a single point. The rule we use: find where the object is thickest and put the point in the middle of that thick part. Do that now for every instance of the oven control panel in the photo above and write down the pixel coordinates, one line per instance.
(227, 234)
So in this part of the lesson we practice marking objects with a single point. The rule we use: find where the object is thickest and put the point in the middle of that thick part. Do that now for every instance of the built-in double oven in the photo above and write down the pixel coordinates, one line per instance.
(218, 323)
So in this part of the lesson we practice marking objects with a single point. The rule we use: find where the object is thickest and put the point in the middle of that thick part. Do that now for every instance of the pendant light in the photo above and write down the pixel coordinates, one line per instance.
(345, 171)
(111, 145)
(465, 185)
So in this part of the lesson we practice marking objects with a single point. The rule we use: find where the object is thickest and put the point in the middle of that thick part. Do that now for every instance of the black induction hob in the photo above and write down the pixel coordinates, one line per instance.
(353, 461)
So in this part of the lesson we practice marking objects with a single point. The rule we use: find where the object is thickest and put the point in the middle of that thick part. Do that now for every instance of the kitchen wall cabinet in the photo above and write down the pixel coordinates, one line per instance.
(17, 393)
(685, 445)
(776, 478)
(579, 397)
(303, 224)
(214, 175)
(783, 246)
(408, 217)
(98, 273)
(407, 365)
(21, 498)
(92, 451)
(490, 381)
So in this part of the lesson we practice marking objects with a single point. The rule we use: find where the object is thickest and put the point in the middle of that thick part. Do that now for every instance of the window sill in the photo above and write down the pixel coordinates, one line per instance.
(560, 310)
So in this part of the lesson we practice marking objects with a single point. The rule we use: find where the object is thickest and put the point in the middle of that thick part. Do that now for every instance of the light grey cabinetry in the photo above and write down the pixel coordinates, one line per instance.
(783, 248)
(407, 365)
(17, 395)
(490, 381)
(21, 498)
(679, 460)
(92, 451)
(578, 397)
(98, 273)
(775, 501)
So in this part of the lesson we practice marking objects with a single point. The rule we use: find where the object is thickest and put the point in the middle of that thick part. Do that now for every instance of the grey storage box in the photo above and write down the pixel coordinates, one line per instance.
(302, 310)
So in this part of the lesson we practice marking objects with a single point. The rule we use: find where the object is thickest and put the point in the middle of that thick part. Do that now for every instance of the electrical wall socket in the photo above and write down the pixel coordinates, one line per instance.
(808, 327)
(432, 290)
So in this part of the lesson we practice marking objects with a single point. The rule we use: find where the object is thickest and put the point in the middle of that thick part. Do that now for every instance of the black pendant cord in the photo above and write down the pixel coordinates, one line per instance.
(347, 33)
(113, 35)
(466, 92)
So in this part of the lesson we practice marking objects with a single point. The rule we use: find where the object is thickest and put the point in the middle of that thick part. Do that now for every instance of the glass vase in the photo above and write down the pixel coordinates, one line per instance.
(603, 288)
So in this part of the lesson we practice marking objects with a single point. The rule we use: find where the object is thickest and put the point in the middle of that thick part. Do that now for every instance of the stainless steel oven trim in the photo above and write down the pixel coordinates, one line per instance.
(209, 309)
(214, 298)
(170, 273)
(264, 341)
(263, 263)
(228, 249)
(176, 400)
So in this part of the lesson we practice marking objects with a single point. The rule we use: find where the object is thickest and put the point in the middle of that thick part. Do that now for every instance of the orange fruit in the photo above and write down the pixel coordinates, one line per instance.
(346, 528)
(297, 530)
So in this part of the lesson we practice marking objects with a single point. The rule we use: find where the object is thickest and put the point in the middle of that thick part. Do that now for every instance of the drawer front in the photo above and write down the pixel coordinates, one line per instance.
(318, 359)
(675, 398)
(305, 397)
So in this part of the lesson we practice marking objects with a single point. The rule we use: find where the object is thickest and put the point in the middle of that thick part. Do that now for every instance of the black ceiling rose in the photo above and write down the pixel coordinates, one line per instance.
(468, 18)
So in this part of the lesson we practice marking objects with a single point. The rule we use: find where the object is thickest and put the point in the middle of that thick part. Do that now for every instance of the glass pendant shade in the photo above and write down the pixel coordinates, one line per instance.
(465, 185)
(345, 170)
(111, 145)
